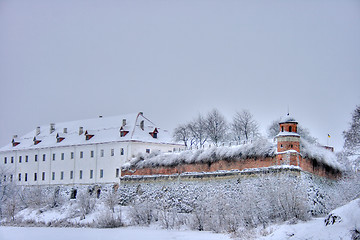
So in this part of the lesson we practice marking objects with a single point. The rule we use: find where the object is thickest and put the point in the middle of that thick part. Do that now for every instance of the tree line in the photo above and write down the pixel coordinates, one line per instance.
(213, 128)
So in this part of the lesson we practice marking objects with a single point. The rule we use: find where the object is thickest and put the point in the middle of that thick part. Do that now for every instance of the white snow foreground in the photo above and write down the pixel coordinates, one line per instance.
(341, 223)
(134, 233)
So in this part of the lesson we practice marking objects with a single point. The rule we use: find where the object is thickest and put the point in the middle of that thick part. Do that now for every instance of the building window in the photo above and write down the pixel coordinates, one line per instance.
(43, 176)
(81, 154)
(44, 157)
(117, 172)
(147, 150)
(5, 160)
(20, 159)
(290, 129)
(71, 174)
(101, 152)
(62, 176)
(35, 176)
(282, 128)
(62, 156)
(92, 154)
(53, 176)
(26, 158)
(80, 175)
(19, 177)
(12, 159)
(53, 156)
(11, 178)
(25, 177)
(35, 158)
(121, 151)
(112, 152)
(281, 145)
(91, 174)
(4, 178)
(101, 173)
(72, 155)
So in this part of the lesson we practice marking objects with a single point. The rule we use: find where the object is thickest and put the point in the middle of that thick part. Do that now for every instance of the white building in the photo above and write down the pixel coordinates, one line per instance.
(82, 152)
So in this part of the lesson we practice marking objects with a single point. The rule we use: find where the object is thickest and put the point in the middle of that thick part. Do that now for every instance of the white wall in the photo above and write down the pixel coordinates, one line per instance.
(108, 163)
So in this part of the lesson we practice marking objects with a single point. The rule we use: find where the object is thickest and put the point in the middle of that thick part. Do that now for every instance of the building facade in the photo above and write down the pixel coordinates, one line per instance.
(82, 152)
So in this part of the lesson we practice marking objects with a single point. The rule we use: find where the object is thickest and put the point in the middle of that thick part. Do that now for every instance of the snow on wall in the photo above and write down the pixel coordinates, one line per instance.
(259, 148)
(256, 149)
(320, 154)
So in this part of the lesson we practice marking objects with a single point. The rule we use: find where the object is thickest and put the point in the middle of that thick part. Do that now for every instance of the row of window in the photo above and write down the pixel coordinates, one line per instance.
(53, 175)
(62, 156)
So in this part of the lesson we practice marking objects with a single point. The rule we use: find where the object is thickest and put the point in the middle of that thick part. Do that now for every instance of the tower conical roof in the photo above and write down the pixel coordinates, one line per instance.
(288, 119)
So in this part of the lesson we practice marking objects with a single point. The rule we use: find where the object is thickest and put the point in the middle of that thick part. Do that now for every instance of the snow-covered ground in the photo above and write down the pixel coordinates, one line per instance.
(133, 233)
(347, 218)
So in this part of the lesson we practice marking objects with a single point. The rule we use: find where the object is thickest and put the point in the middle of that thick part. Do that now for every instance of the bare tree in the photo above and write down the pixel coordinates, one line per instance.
(216, 127)
(198, 131)
(244, 126)
(352, 136)
(182, 133)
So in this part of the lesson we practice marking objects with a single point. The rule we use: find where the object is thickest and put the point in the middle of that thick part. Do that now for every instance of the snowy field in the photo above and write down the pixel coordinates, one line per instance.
(345, 219)
(131, 233)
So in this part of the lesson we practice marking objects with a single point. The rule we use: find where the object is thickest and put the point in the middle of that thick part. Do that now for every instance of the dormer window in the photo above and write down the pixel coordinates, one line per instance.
(59, 138)
(154, 133)
(88, 136)
(123, 132)
(15, 143)
(36, 141)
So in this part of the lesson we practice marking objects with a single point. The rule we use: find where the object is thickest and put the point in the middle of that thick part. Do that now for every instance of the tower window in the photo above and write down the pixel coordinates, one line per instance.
(282, 128)
(290, 129)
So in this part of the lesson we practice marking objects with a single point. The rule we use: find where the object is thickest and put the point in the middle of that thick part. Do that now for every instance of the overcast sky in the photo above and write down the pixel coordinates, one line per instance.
(173, 59)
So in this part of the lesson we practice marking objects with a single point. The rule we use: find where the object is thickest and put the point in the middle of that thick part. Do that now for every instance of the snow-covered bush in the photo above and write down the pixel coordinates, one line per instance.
(86, 203)
(109, 219)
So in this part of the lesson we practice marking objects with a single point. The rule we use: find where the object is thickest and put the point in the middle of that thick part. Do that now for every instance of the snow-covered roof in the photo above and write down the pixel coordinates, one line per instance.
(104, 129)
(288, 119)
(280, 134)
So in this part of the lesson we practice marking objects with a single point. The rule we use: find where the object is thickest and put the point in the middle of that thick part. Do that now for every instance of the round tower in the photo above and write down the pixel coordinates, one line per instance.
(288, 142)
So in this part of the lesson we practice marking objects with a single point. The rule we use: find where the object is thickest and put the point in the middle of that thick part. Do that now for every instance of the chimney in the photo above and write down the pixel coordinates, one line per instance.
(65, 130)
(81, 130)
(37, 131)
(124, 122)
(52, 128)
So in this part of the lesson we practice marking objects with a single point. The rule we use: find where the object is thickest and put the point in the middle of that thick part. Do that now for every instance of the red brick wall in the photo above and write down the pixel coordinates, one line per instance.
(237, 164)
